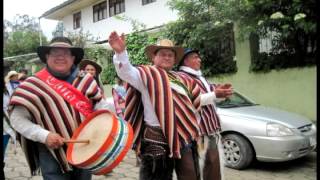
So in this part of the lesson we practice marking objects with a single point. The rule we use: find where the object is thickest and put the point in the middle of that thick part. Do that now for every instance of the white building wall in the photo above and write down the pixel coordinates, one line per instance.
(153, 14)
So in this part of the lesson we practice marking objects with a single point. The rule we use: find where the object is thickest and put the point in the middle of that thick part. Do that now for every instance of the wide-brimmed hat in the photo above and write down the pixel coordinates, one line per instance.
(164, 44)
(85, 62)
(187, 51)
(10, 74)
(60, 42)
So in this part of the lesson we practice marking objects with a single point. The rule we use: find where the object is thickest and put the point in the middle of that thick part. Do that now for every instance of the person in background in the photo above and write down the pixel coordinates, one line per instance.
(23, 75)
(45, 117)
(23, 72)
(22, 78)
(210, 123)
(119, 96)
(12, 81)
(8, 132)
(94, 69)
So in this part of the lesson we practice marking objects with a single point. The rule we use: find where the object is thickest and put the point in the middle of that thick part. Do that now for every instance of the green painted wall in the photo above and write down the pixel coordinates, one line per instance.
(293, 90)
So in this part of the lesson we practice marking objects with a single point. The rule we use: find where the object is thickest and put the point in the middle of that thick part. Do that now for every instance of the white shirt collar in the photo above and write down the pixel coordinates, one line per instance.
(190, 70)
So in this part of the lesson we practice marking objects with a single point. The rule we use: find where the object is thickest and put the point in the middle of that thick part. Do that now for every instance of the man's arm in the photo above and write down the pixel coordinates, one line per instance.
(220, 92)
(20, 120)
(123, 67)
(126, 71)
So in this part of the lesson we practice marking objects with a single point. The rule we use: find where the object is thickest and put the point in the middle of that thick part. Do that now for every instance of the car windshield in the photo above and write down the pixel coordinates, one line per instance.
(236, 100)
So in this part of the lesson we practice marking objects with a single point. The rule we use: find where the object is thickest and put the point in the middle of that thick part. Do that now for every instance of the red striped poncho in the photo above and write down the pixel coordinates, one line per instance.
(176, 112)
(210, 122)
(53, 113)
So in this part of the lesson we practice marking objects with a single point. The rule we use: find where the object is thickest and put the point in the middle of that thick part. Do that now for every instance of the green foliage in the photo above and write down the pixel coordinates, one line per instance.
(291, 22)
(291, 26)
(136, 43)
(21, 36)
(108, 74)
(198, 28)
(17, 65)
(21, 42)
(104, 57)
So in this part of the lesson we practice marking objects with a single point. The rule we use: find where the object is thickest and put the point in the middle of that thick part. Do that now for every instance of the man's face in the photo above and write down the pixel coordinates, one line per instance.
(14, 77)
(164, 58)
(193, 61)
(60, 60)
(90, 69)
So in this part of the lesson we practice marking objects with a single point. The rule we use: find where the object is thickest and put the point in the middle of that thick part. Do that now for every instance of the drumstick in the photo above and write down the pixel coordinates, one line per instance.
(77, 141)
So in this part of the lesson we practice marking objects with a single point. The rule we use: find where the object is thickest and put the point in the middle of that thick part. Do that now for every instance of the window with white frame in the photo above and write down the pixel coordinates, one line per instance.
(100, 11)
(144, 2)
(116, 7)
(77, 20)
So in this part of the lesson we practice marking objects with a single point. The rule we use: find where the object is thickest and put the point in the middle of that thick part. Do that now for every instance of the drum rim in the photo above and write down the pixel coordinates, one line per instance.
(121, 155)
(105, 145)
(112, 149)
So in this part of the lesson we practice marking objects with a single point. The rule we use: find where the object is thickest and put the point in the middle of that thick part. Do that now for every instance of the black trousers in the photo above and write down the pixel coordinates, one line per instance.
(161, 168)
(156, 164)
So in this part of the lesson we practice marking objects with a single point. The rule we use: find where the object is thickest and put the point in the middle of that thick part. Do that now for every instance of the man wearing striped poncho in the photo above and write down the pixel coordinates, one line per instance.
(44, 118)
(210, 122)
(162, 108)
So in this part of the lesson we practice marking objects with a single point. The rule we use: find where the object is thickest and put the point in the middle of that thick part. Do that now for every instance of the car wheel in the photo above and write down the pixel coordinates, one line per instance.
(238, 153)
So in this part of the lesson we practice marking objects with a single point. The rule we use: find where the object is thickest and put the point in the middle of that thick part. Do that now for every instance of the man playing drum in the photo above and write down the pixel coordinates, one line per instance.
(48, 107)
(162, 109)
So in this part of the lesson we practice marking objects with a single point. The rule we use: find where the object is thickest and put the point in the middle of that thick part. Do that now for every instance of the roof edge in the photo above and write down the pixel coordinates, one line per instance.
(52, 10)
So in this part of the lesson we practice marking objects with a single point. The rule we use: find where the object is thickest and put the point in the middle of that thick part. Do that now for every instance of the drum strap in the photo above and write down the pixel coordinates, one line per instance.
(67, 91)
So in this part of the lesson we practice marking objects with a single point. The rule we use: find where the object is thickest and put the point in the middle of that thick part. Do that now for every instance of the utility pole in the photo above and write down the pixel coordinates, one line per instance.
(40, 32)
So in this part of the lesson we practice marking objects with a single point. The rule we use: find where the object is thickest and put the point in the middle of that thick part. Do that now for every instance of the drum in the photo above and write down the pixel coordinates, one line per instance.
(109, 138)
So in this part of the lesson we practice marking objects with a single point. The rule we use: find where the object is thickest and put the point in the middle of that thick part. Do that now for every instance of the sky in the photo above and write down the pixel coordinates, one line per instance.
(33, 8)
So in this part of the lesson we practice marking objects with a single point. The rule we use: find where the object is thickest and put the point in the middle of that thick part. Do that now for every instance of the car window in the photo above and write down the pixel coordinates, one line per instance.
(236, 100)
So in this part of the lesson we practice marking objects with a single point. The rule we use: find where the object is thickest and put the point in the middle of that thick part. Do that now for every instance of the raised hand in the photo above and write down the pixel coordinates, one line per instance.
(117, 42)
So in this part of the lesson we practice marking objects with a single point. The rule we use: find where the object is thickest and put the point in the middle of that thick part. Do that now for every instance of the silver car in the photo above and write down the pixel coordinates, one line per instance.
(251, 131)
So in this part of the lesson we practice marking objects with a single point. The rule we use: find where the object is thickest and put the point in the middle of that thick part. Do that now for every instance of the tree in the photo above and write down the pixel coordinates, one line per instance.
(21, 36)
(59, 30)
(136, 43)
(198, 28)
(292, 23)
(79, 38)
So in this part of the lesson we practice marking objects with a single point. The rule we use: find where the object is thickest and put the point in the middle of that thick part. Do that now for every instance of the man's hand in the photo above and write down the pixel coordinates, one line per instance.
(223, 90)
(54, 140)
(117, 43)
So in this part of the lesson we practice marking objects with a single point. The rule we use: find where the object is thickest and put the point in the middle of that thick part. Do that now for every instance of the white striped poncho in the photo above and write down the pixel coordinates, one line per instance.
(53, 113)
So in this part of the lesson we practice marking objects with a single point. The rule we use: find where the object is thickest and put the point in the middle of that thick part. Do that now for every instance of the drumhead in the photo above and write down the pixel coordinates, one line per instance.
(97, 131)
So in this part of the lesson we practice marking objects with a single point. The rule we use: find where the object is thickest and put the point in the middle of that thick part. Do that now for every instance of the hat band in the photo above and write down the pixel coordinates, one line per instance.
(60, 44)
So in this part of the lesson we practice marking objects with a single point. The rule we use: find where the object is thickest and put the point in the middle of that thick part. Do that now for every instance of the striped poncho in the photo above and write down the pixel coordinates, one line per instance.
(210, 122)
(53, 113)
(175, 111)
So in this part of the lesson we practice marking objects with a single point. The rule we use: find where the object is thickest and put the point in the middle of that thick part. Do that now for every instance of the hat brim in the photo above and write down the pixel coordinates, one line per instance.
(85, 62)
(150, 51)
(189, 52)
(76, 51)
(186, 54)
